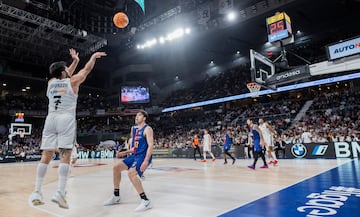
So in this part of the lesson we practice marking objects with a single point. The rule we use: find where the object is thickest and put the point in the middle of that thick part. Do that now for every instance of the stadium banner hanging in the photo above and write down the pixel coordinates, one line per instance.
(343, 49)
(225, 6)
(203, 14)
(292, 75)
(330, 150)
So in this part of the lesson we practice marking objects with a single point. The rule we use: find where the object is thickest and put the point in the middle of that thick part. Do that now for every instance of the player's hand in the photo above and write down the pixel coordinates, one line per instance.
(121, 154)
(74, 55)
(144, 166)
(98, 55)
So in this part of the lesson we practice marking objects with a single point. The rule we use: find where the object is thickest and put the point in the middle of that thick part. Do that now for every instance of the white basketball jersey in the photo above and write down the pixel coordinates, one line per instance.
(264, 130)
(61, 96)
(207, 139)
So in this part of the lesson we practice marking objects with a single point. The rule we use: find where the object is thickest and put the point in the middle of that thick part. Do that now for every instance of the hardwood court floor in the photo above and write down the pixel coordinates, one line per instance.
(177, 187)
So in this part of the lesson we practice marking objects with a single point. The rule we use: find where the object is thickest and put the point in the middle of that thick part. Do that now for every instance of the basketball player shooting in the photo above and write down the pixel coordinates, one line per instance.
(62, 92)
(136, 163)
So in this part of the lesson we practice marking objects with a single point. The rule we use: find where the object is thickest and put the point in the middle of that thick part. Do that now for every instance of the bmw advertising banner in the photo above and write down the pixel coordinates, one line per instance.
(323, 150)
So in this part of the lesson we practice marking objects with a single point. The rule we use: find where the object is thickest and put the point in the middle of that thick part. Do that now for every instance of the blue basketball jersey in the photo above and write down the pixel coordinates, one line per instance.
(139, 142)
(227, 142)
(257, 146)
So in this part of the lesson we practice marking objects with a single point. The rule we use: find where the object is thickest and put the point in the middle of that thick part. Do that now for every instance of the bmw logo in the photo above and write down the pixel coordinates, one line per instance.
(298, 150)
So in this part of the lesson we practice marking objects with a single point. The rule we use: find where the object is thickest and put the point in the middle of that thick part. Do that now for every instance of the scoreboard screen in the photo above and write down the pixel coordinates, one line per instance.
(135, 94)
(278, 27)
(19, 117)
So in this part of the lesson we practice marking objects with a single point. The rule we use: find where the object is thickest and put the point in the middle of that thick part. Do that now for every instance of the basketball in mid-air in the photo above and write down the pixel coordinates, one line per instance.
(121, 20)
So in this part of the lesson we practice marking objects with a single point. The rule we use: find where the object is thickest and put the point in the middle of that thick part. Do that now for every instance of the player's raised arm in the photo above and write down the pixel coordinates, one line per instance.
(75, 57)
(80, 77)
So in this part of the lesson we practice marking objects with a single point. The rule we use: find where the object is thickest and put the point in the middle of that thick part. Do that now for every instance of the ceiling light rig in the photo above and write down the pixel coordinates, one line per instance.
(176, 34)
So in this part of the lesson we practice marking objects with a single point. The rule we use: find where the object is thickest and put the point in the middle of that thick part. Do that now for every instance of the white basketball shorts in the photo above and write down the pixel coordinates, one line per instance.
(269, 140)
(207, 147)
(59, 131)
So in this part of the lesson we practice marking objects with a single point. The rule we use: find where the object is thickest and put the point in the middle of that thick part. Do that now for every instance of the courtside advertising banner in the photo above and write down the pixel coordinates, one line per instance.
(330, 150)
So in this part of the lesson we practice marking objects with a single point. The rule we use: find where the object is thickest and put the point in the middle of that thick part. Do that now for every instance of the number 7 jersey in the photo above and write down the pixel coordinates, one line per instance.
(61, 96)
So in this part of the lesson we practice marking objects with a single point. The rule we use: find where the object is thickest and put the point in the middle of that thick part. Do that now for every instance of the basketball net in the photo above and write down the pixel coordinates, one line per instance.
(254, 89)
(22, 134)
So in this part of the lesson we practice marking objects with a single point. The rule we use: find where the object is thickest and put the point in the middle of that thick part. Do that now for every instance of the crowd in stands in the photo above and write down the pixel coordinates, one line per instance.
(93, 125)
(227, 83)
(24, 102)
(30, 145)
(177, 129)
(333, 117)
(21, 147)
(30, 102)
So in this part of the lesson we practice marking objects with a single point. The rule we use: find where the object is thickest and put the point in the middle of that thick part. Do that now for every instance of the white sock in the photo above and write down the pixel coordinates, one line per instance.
(212, 155)
(204, 154)
(63, 173)
(273, 155)
(40, 174)
(70, 168)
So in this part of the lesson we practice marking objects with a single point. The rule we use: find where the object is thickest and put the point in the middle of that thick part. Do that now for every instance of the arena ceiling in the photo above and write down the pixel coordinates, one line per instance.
(35, 33)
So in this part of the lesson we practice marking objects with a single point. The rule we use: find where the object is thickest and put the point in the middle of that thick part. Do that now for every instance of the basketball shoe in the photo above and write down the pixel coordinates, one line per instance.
(112, 200)
(275, 162)
(144, 205)
(36, 198)
(251, 167)
(60, 200)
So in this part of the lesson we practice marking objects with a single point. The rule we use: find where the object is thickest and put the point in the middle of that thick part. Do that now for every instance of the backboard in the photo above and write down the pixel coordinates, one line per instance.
(262, 68)
(16, 128)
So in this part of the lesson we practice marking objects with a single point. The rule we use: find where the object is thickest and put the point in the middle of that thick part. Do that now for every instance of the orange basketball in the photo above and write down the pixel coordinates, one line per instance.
(121, 20)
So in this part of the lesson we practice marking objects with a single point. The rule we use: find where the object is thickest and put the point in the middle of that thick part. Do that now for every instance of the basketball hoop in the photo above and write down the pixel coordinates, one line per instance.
(22, 134)
(254, 89)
